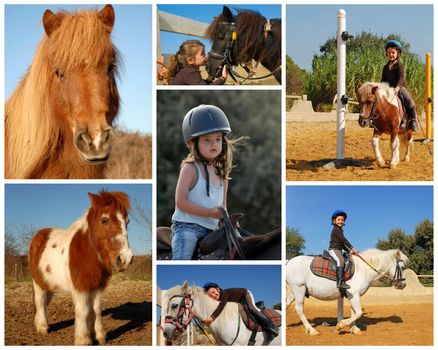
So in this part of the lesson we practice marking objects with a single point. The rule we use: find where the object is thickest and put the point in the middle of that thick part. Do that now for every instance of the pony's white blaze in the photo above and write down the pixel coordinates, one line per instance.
(125, 253)
(55, 258)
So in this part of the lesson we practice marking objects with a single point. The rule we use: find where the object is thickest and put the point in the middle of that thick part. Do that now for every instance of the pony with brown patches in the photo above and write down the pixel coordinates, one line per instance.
(58, 121)
(239, 39)
(382, 110)
(80, 260)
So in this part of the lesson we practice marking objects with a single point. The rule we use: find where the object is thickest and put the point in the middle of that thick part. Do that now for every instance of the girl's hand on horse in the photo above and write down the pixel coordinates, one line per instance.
(216, 213)
(225, 73)
(208, 321)
(353, 251)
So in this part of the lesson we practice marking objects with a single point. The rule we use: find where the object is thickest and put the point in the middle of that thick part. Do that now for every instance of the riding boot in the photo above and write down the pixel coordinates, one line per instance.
(266, 323)
(340, 278)
(412, 115)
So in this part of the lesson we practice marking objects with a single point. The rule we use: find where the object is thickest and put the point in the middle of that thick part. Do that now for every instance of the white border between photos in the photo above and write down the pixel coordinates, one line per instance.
(152, 181)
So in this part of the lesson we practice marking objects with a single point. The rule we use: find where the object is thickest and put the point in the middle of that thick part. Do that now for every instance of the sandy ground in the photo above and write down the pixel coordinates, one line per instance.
(310, 145)
(406, 320)
(126, 311)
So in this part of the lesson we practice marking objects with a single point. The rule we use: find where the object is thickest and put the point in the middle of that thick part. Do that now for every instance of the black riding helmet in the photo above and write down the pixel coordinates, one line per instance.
(203, 120)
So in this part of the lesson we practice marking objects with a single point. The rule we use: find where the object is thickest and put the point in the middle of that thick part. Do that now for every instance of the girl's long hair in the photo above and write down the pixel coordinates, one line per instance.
(188, 48)
(223, 163)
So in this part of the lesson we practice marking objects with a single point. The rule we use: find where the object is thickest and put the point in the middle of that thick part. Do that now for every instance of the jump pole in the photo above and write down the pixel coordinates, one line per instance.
(428, 98)
(340, 107)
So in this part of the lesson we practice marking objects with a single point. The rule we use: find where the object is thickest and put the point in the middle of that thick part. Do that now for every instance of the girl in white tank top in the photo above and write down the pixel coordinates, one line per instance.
(203, 180)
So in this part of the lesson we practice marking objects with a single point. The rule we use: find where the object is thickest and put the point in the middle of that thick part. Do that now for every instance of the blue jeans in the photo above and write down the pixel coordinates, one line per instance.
(184, 238)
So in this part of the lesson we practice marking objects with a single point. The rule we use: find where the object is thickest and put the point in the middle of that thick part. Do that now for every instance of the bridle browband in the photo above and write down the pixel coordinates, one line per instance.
(227, 57)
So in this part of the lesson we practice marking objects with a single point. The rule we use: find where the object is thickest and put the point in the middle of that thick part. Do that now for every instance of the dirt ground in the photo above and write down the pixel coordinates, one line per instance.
(310, 145)
(126, 315)
(407, 323)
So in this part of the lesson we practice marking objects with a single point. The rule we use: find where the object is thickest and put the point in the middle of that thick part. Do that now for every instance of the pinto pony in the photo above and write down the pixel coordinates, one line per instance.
(58, 121)
(382, 110)
(80, 260)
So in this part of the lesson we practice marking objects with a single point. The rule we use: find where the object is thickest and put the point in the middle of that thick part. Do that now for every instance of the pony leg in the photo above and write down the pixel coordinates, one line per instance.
(408, 144)
(41, 298)
(356, 313)
(82, 312)
(299, 308)
(353, 328)
(378, 155)
(395, 152)
(98, 327)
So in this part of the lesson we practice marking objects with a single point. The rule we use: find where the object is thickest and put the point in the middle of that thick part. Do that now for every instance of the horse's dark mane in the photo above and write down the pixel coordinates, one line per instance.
(256, 242)
(249, 30)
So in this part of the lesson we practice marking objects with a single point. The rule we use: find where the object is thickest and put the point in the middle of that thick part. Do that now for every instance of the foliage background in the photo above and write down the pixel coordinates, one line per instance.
(255, 187)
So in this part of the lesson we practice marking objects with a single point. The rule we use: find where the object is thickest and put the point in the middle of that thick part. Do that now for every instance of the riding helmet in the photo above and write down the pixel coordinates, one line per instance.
(209, 285)
(395, 44)
(203, 120)
(337, 213)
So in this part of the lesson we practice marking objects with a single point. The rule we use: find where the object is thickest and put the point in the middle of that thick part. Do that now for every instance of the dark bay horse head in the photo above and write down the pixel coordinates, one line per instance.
(242, 38)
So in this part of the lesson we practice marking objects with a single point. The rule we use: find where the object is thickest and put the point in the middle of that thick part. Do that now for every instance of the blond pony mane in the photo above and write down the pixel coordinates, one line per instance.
(31, 131)
(379, 259)
(383, 89)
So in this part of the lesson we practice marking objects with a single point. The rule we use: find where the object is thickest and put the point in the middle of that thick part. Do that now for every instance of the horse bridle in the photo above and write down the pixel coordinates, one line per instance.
(373, 115)
(186, 305)
(398, 273)
(227, 57)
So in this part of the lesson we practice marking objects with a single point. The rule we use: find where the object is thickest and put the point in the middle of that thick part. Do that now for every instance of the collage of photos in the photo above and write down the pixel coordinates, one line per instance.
(203, 174)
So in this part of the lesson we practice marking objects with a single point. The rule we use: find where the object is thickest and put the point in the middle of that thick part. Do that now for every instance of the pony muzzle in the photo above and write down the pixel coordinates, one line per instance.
(94, 148)
(363, 122)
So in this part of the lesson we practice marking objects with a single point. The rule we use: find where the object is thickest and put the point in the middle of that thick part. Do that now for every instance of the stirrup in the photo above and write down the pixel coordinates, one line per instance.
(343, 286)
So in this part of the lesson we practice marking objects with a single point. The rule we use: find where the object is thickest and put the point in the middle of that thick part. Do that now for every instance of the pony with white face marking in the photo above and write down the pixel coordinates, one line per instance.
(382, 110)
(186, 302)
(301, 282)
(80, 260)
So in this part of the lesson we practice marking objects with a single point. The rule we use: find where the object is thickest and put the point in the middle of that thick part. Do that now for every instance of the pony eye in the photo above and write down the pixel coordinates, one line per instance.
(105, 221)
(59, 74)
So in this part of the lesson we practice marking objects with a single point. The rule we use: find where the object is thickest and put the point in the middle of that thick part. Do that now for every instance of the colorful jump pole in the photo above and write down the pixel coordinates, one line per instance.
(428, 98)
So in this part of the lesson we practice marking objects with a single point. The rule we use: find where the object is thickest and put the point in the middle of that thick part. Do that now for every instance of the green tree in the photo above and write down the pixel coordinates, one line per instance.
(365, 60)
(294, 77)
(418, 246)
(294, 243)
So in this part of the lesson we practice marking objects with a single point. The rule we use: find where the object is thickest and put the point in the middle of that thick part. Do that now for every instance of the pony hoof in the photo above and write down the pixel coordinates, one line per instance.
(312, 332)
(43, 330)
(339, 326)
(407, 159)
(101, 338)
(355, 330)
(83, 341)
(380, 163)
(393, 165)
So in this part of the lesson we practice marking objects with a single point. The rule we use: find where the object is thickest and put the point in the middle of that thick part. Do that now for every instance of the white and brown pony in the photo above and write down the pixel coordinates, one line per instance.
(80, 260)
(58, 121)
(382, 110)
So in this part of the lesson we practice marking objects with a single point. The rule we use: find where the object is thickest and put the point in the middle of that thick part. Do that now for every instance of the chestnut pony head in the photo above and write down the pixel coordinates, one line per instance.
(83, 63)
(64, 107)
(107, 221)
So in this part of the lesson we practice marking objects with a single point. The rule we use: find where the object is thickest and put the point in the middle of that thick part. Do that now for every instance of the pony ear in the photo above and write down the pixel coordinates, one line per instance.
(107, 16)
(226, 12)
(185, 286)
(374, 89)
(92, 197)
(51, 21)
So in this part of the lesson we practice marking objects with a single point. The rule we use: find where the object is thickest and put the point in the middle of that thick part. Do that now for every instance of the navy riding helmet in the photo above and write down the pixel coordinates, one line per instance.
(209, 285)
(337, 213)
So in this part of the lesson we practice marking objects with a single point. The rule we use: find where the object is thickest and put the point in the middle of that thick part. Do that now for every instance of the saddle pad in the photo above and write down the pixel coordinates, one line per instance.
(273, 315)
(321, 267)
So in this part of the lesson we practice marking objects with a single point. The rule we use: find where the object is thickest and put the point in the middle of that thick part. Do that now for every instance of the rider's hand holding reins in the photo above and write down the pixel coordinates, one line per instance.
(353, 251)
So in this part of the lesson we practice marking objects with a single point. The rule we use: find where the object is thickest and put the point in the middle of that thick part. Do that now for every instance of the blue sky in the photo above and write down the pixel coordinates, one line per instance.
(132, 35)
(372, 212)
(44, 205)
(309, 26)
(170, 42)
(264, 281)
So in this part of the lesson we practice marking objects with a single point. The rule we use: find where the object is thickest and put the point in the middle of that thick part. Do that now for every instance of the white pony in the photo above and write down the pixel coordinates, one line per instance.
(186, 302)
(301, 282)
